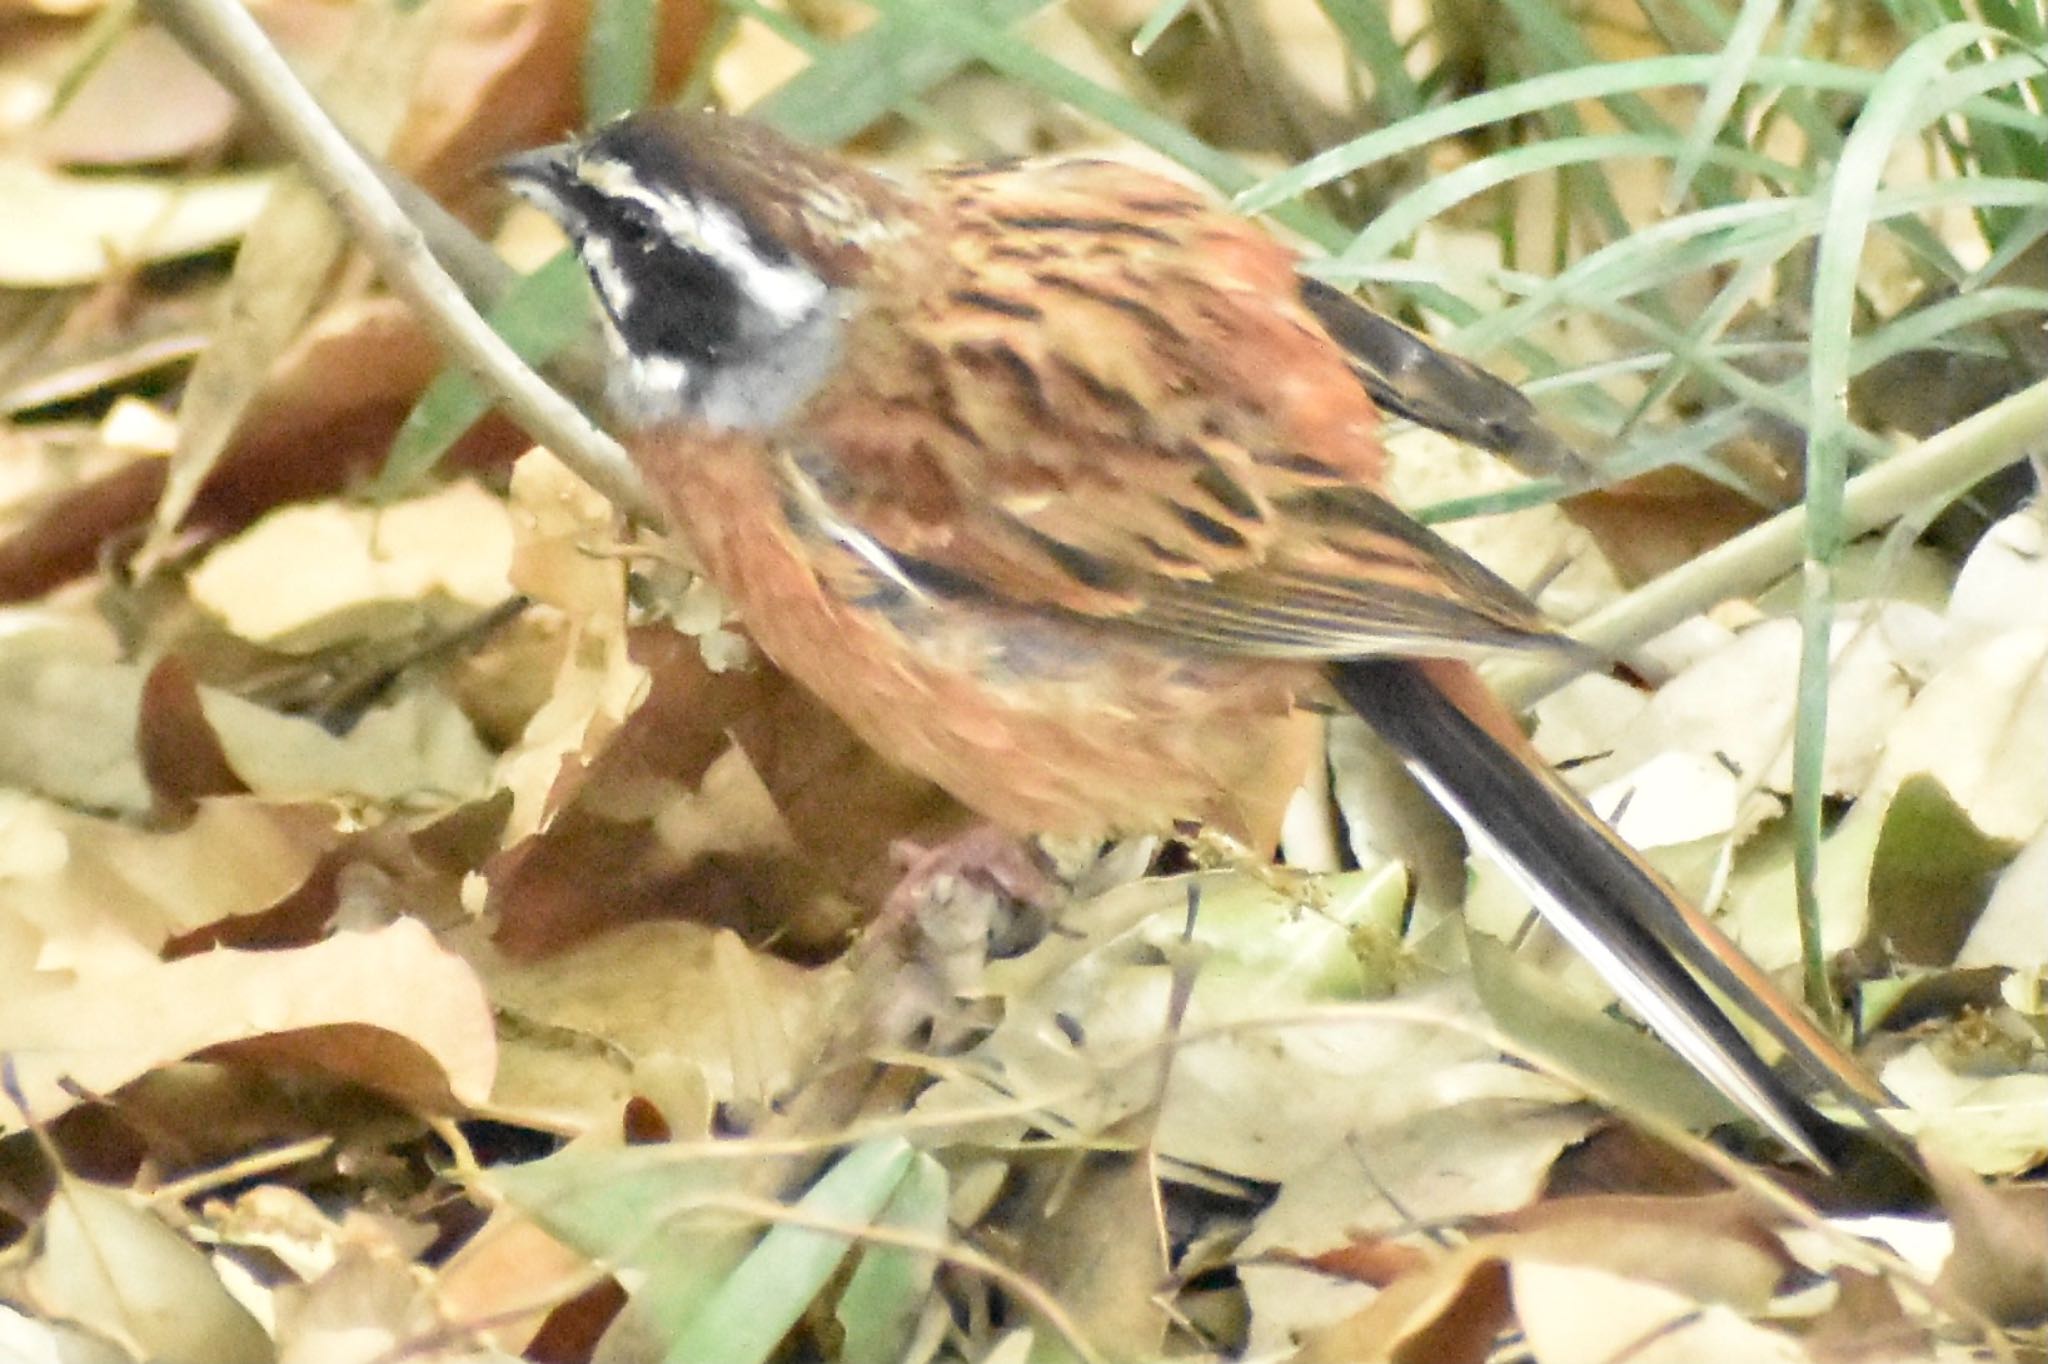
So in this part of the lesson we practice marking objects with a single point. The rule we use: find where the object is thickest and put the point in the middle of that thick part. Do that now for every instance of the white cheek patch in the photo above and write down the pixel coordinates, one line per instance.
(648, 390)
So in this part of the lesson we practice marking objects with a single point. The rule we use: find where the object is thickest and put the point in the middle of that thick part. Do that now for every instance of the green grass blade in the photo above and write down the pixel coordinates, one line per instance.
(747, 1315)
(539, 315)
(1894, 110)
(618, 58)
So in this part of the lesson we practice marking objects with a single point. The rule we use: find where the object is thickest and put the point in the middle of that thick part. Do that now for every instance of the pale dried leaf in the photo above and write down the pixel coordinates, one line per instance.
(558, 521)
(91, 899)
(1993, 1126)
(1442, 1166)
(107, 1030)
(1571, 1314)
(68, 731)
(146, 101)
(310, 576)
(373, 1304)
(596, 1023)
(1761, 913)
(2013, 929)
(2004, 582)
(287, 256)
(1979, 727)
(30, 1340)
(1735, 707)
(64, 230)
(109, 1263)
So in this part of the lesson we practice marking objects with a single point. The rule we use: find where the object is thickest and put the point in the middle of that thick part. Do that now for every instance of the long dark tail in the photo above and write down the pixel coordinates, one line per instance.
(1606, 902)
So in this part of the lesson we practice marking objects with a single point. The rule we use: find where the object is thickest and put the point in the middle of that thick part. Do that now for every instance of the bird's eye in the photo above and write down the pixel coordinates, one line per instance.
(635, 228)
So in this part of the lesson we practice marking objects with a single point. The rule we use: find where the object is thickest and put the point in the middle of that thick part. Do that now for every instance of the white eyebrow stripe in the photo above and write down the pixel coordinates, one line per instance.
(785, 290)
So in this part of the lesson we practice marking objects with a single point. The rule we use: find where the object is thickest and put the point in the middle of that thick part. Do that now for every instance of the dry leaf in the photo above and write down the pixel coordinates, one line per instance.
(69, 730)
(624, 1013)
(1571, 1314)
(2003, 585)
(2012, 931)
(340, 997)
(1993, 1125)
(146, 100)
(287, 256)
(34, 1340)
(1735, 707)
(505, 74)
(2000, 1261)
(1979, 727)
(85, 898)
(110, 1264)
(62, 230)
(312, 576)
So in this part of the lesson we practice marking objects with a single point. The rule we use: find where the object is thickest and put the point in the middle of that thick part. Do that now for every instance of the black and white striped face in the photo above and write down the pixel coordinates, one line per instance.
(712, 320)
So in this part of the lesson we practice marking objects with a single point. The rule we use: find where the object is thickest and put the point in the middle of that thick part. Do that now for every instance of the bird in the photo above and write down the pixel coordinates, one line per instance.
(1061, 484)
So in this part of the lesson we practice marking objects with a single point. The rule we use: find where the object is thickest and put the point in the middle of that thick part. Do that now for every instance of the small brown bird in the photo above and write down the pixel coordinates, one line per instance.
(1060, 485)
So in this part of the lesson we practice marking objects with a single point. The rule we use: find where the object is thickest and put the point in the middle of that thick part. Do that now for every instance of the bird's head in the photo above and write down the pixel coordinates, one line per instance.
(726, 257)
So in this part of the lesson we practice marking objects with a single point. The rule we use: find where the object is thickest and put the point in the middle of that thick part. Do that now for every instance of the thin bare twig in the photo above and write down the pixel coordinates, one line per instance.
(223, 38)
(1940, 468)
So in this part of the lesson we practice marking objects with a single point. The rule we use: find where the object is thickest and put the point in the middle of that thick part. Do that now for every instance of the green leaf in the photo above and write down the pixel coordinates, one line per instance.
(746, 1316)
(618, 58)
(890, 1286)
(538, 317)
(1932, 873)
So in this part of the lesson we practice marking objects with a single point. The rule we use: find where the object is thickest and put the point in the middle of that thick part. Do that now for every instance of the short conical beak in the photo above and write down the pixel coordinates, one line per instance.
(539, 175)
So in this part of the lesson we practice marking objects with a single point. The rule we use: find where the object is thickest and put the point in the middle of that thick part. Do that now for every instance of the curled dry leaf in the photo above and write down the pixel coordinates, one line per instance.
(311, 576)
(85, 900)
(559, 524)
(390, 1010)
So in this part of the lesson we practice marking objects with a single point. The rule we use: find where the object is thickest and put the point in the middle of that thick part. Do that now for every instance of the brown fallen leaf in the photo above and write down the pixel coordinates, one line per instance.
(1866, 1325)
(88, 898)
(1696, 1251)
(506, 74)
(325, 418)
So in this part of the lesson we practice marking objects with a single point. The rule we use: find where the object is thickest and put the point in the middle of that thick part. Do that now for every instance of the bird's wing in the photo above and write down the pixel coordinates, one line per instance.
(1132, 417)
(1411, 378)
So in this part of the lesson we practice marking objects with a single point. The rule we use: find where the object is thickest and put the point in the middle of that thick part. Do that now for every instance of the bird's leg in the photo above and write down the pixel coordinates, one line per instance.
(979, 893)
